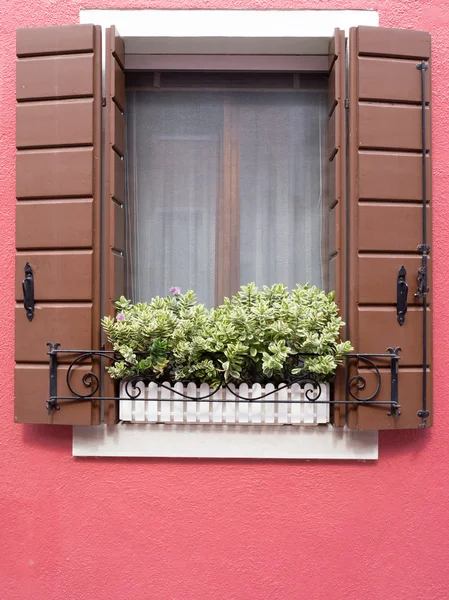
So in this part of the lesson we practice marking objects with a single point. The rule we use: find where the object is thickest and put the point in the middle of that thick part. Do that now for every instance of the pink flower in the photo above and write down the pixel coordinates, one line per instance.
(175, 290)
(120, 316)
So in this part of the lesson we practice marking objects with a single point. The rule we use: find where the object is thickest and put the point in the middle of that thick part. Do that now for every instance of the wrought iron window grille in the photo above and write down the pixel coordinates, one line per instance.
(354, 385)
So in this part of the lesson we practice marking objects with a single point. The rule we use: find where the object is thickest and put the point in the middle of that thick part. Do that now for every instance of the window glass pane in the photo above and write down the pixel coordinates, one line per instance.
(281, 187)
(174, 156)
(255, 155)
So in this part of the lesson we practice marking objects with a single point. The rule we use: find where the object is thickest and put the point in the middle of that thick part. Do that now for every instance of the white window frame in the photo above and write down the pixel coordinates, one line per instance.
(226, 32)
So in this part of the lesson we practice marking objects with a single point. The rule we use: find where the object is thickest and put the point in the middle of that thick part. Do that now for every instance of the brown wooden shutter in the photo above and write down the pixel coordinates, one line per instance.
(385, 212)
(336, 194)
(58, 212)
(114, 246)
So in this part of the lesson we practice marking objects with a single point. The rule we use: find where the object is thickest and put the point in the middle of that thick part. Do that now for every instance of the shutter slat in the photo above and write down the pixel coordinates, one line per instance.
(69, 324)
(378, 274)
(65, 39)
(386, 215)
(119, 275)
(54, 224)
(57, 275)
(55, 77)
(389, 81)
(58, 172)
(377, 325)
(410, 391)
(118, 83)
(118, 132)
(31, 385)
(393, 42)
(390, 228)
(384, 126)
(118, 216)
(54, 173)
(118, 180)
(391, 176)
(58, 123)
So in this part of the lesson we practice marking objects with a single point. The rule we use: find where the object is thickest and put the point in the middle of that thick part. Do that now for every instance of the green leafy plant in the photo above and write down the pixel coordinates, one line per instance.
(269, 335)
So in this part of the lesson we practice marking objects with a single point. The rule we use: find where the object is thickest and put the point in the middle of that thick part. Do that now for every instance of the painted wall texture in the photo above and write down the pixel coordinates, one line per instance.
(112, 529)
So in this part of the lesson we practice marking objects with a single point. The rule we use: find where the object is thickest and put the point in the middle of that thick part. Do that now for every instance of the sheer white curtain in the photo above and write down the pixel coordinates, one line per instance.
(281, 188)
(174, 173)
(174, 145)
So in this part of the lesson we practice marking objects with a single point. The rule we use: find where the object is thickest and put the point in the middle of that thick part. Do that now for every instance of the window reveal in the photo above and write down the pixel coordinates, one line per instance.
(224, 188)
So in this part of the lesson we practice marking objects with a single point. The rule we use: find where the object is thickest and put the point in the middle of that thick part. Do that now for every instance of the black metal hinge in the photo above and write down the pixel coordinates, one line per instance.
(423, 288)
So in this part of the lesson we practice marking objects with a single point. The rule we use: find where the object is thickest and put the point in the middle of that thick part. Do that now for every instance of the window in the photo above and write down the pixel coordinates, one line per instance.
(225, 181)
(372, 210)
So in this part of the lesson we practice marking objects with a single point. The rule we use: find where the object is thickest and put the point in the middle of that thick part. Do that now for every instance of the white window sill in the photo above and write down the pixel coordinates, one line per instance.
(211, 441)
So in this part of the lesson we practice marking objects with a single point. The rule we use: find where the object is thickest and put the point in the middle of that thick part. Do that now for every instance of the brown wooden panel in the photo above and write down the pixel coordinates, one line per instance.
(119, 276)
(332, 53)
(378, 278)
(54, 224)
(385, 126)
(59, 133)
(332, 184)
(334, 230)
(63, 275)
(390, 80)
(52, 322)
(55, 123)
(388, 176)
(118, 83)
(378, 330)
(54, 173)
(336, 193)
(383, 41)
(332, 274)
(333, 134)
(55, 77)
(118, 216)
(118, 131)
(118, 48)
(410, 398)
(114, 282)
(385, 212)
(334, 92)
(32, 391)
(118, 181)
(390, 227)
(64, 39)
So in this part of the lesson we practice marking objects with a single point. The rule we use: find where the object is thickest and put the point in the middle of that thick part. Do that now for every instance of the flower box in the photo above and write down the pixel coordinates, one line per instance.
(286, 406)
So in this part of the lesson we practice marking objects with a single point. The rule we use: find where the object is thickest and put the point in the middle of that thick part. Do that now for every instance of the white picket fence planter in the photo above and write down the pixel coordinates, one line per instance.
(166, 406)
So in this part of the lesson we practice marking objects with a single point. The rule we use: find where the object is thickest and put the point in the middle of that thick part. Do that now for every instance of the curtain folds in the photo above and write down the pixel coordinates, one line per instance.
(178, 171)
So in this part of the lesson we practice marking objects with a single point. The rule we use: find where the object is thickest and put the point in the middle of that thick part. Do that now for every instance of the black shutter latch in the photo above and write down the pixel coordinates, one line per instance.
(402, 292)
(28, 291)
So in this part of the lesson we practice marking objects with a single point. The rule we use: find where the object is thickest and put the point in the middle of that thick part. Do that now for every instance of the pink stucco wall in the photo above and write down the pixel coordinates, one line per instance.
(186, 529)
